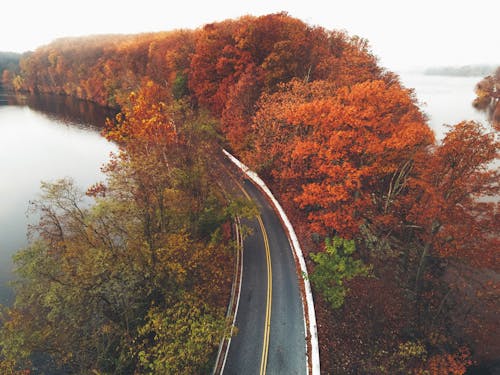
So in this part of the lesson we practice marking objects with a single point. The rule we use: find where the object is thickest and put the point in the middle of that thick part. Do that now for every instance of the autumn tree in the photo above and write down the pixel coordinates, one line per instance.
(224, 66)
(454, 221)
(184, 337)
(488, 97)
(212, 65)
(460, 179)
(343, 156)
(343, 152)
(9, 67)
(89, 284)
(445, 250)
(240, 108)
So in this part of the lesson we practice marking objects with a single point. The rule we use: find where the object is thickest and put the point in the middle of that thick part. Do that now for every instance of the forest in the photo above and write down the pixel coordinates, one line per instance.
(461, 71)
(401, 232)
(9, 66)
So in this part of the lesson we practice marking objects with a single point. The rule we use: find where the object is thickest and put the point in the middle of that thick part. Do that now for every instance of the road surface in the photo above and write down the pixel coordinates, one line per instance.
(270, 319)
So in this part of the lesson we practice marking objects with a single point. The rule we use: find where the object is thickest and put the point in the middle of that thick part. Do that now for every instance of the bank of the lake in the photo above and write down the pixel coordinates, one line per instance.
(42, 138)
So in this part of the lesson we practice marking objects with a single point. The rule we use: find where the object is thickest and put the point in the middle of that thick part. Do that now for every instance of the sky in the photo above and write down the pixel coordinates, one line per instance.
(403, 34)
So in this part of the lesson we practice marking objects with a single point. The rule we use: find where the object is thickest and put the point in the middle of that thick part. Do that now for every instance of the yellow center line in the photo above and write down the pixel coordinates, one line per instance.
(267, 323)
(267, 326)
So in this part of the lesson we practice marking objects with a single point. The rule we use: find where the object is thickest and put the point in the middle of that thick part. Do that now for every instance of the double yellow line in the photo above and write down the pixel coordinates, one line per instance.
(267, 323)
(267, 327)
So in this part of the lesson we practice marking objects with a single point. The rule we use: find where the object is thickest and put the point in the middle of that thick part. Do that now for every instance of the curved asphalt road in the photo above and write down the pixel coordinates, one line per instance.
(287, 345)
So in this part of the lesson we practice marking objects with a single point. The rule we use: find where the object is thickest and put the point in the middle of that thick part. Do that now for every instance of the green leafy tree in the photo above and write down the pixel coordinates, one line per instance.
(334, 267)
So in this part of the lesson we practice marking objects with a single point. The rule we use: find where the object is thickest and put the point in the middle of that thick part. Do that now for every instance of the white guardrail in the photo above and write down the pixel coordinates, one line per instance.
(311, 314)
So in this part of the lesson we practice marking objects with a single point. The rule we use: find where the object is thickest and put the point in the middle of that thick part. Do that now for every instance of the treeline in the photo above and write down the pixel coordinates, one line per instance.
(488, 97)
(404, 230)
(461, 71)
(9, 66)
(205, 63)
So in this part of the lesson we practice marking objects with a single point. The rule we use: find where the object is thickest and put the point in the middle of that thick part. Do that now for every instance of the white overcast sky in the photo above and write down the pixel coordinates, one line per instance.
(402, 33)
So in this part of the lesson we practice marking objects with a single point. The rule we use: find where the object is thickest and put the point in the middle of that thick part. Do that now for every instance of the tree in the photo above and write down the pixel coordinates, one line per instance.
(239, 109)
(341, 150)
(460, 176)
(454, 364)
(213, 64)
(452, 225)
(488, 97)
(185, 335)
(334, 267)
(9, 67)
(360, 163)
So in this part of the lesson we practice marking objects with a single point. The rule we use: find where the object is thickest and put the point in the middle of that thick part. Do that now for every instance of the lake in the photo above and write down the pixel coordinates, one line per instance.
(42, 138)
(445, 99)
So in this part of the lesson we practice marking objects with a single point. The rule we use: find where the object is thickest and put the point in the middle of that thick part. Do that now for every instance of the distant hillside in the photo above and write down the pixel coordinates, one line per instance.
(461, 71)
(9, 60)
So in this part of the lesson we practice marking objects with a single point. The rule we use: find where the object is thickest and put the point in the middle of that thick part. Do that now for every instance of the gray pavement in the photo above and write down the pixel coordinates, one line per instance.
(287, 346)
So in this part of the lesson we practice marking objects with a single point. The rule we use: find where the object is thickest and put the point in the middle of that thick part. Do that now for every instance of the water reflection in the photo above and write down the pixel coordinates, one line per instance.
(42, 138)
(61, 108)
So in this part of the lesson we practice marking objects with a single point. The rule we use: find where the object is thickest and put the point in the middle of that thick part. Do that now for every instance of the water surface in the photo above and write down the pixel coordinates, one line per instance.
(42, 138)
(446, 100)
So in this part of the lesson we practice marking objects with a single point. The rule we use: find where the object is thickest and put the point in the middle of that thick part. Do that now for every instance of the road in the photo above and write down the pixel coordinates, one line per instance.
(270, 319)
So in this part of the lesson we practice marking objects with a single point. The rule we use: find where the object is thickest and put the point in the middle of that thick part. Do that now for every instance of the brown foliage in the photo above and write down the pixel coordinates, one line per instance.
(453, 206)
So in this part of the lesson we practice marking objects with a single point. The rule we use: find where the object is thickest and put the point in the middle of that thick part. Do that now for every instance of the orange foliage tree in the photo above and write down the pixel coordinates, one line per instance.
(488, 97)
(341, 152)
(456, 216)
